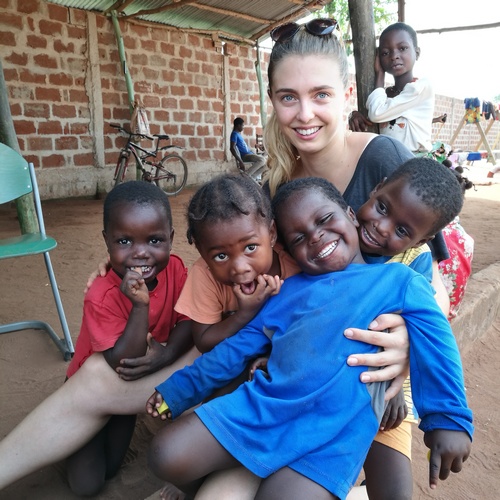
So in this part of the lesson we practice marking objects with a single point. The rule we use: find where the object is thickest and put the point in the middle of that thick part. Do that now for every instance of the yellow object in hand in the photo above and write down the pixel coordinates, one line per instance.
(428, 454)
(163, 408)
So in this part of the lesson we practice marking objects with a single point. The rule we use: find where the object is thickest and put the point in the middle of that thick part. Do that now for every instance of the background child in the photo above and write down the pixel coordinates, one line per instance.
(317, 452)
(128, 311)
(404, 110)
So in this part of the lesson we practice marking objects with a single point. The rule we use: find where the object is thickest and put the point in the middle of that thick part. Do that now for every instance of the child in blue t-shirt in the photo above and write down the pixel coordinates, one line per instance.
(318, 452)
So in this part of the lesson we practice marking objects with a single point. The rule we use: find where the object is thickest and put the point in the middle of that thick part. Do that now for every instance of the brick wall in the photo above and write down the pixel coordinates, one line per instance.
(62, 101)
(66, 84)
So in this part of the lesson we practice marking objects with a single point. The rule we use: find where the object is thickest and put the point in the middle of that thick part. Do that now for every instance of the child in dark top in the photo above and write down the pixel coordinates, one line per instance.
(303, 408)
(127, 312)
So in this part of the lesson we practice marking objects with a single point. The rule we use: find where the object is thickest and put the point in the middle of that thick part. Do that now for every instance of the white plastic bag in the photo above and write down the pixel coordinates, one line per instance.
(139, 123)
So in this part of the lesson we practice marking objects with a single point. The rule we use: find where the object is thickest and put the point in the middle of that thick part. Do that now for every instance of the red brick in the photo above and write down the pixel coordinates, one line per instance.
(64, 47)
(185, 52)
(17, 59)
(176, 64)
(64, 111)
(50, 128)
(44, 94)
(24, 127)
(38, 143)
(66, 142)
(78, 128)
(179, 116)
(36, 110)
(187, 130)
(58, 13)
(76, 32)
(78, 96)
(61, 79)
(167, 49)
(51, 28)
(45, 61)
(211, 143)
(83, 160)
(202, 130)
(53, 161)
(36, 42)
(11, 20)
(195, 142)
(7, 39)
(195, 117)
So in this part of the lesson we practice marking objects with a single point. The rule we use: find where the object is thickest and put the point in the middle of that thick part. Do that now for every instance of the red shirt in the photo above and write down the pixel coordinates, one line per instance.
(106, 311)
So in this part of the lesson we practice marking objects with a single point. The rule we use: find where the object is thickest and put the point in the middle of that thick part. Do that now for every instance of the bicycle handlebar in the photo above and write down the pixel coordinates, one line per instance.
(121, 129)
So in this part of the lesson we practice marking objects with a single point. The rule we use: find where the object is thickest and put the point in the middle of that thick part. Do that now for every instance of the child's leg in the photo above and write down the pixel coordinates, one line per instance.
(286, 483)
(101, 458)
(72, 415)
(388, 471)
(185, 451)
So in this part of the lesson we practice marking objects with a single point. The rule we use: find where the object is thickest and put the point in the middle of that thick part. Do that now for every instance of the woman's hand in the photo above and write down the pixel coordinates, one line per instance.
(102, 269)
(395, 355)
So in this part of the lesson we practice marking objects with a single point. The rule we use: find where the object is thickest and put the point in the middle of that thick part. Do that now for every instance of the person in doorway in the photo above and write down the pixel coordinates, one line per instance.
(242, 153)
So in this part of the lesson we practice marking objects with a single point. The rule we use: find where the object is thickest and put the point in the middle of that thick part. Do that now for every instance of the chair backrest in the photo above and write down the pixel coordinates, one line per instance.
(259, 143)
(15, 179)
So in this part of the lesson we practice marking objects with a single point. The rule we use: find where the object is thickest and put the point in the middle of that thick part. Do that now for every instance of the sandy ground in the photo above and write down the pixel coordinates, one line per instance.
(31, 367)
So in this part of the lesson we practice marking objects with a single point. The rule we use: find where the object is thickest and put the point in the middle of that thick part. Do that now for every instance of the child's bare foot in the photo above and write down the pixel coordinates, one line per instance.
(171, 492)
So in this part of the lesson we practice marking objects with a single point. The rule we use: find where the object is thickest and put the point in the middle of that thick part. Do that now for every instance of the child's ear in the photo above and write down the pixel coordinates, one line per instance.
(273, 233)
(379, 186)
(171, 237)
(105, 239)
(417, 53)
(352, 215)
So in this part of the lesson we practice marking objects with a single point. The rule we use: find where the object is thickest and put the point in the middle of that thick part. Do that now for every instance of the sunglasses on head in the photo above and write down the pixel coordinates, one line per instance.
(317, 27)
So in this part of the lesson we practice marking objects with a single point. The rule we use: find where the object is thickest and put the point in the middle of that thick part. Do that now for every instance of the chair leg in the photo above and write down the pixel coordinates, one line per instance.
(66, 345)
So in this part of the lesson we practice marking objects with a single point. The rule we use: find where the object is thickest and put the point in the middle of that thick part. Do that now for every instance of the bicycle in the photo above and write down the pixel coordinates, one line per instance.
(169, 173)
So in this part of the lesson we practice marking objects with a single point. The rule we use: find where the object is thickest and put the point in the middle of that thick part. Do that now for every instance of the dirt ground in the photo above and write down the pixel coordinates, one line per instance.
(31, 367)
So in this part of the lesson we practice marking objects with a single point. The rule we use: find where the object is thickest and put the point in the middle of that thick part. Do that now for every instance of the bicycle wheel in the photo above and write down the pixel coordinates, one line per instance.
(121, 169)
(171, 174)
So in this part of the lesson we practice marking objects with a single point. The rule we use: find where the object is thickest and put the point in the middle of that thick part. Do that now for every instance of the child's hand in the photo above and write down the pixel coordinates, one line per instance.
(152, 405)
(448, 451)
(257, 364)
(378, 65)
(266, 287)
(134, 287)
(102, 269)
(358, 122)
(395, 412)
(151, 362)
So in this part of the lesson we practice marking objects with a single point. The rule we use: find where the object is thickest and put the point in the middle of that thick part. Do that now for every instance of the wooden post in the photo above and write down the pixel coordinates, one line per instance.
(25, 205)
(262, 91)
(363, 36)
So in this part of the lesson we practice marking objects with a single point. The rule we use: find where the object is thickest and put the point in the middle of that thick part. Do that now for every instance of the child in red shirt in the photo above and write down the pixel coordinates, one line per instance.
(127, 312)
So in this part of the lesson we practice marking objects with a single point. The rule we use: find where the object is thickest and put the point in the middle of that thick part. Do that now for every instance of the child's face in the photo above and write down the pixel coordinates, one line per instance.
(397, 53)
(393, 220)
(318, 233)
(139, 236)
(237, 250)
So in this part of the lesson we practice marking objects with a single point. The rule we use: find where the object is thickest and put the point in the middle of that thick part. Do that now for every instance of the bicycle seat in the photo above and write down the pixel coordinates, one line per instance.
(162, 136)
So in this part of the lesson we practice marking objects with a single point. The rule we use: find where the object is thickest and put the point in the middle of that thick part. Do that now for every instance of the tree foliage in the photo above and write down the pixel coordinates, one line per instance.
(385, 12)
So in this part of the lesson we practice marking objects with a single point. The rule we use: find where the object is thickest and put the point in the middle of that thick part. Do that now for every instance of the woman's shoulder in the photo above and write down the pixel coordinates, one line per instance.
(387, 149)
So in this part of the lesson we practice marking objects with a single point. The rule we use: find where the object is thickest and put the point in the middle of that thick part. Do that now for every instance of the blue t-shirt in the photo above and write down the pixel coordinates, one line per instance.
(240, 143)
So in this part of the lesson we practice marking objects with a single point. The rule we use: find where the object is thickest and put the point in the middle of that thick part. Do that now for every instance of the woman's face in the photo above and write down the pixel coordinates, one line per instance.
(309, 99)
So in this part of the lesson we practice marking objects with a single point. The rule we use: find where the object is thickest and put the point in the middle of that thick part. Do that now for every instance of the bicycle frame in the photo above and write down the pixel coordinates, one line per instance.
(170, 179)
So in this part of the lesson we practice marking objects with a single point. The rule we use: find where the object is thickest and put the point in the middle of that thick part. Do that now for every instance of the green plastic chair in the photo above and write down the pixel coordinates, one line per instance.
(18, 179)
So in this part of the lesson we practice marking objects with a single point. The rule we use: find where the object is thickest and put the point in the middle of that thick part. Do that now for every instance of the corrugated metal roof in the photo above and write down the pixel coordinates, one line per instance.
(244, 20)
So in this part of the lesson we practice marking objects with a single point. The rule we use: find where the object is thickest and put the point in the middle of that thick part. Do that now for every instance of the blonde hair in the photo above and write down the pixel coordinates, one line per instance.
(283, 156)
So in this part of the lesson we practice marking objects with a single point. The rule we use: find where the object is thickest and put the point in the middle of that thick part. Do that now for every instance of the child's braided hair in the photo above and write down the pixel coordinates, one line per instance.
(225, 197)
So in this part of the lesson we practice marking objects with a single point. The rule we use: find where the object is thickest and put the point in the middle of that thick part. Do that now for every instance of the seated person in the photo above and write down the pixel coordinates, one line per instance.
(243, 153)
